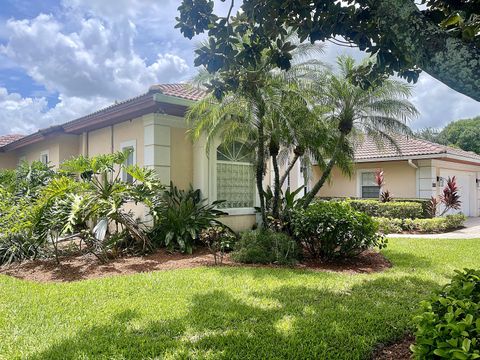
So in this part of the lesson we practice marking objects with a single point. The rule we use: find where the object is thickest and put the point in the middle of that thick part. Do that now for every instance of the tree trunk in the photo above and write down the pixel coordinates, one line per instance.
(276, 190)
(448, 59)
(260, 168)
(289, 168)
(326, 173)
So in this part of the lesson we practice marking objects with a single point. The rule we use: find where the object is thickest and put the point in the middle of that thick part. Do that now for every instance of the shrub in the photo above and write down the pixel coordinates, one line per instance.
(180, 216)
(423, 202)
(218, 239)
(400, 210)
(389, 226)
(435, 225)
(334, 229)
(440, 224)
(449, 326)
(369, 207)
(266, 247)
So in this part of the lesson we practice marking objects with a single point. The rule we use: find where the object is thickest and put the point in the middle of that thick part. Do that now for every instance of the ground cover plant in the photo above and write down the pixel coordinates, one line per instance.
(228, 313)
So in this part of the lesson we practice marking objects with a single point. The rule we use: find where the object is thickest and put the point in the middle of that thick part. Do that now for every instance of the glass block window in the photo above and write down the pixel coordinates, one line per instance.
(235, 176)
(370, 190)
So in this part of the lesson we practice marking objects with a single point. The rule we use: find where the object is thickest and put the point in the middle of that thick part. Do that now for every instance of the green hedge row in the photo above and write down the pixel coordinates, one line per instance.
(393, 210)
(435, 225)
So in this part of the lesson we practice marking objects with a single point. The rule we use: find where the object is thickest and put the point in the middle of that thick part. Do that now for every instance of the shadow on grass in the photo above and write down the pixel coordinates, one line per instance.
(293, 322)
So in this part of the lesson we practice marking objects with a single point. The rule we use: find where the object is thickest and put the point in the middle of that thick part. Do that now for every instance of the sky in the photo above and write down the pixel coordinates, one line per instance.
(62, 59)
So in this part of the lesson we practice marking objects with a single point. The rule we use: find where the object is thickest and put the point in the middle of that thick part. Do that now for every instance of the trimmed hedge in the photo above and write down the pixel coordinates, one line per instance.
(435, 225)
(449, 326)
(329, 230)
(394, 209)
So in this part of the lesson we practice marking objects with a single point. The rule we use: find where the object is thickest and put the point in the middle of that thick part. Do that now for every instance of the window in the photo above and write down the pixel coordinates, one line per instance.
(369, 188)
(131, 159)
(235, 176)
(44, 158)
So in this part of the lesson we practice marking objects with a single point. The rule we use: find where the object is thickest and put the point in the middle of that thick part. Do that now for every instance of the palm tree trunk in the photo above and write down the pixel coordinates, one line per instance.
(260, 169)
(276, 190)
(289, 169)
(326, 173)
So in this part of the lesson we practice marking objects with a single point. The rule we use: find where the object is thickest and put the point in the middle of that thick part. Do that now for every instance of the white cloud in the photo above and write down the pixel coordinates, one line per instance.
(26, 115)
(96, 60)
(89, 60)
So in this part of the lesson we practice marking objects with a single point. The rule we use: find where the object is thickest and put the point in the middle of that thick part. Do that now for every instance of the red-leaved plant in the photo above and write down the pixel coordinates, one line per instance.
(379, 178)
(432, 206)
(450, 197)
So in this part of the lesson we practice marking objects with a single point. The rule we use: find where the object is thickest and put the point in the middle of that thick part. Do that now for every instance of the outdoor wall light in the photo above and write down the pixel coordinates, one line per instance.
(478, 182)
(440, 180)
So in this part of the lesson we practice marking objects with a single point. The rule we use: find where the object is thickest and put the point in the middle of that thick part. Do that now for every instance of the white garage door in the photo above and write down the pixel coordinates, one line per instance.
(465, 189)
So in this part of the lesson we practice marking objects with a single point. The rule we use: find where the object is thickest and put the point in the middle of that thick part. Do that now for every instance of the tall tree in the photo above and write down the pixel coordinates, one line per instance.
(271, 110)
(380, 112)
(464, 134)
(441, 37)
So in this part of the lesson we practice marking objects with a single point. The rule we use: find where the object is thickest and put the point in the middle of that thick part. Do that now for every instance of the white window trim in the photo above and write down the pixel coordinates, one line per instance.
(43, 153)
(360, 172)
(129, 144)
(212, 160)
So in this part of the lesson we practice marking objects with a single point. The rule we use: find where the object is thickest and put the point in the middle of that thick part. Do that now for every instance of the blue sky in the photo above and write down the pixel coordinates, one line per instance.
(61, 59)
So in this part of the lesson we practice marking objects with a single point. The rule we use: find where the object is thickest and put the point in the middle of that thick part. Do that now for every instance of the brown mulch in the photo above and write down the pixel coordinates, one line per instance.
(399, 350)
(75, 268)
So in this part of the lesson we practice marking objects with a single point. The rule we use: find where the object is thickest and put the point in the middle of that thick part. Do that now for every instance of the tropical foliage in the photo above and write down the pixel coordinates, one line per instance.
(88, 202)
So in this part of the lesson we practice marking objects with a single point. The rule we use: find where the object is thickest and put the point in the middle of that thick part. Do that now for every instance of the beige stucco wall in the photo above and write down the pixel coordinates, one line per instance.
(8, 160)
(239, 222)
(59, 148)
(130, 131)
(99, 141)
(181, 158)
(400, 180)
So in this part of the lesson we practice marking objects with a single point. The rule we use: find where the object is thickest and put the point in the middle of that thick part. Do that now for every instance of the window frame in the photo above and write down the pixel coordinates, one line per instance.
(42, 154)
(130, 144)
(213, 184)
(360, 174)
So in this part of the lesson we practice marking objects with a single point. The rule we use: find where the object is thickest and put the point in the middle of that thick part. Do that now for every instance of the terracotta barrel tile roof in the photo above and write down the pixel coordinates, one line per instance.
(407, 147)
(8, 139)
(183, 91)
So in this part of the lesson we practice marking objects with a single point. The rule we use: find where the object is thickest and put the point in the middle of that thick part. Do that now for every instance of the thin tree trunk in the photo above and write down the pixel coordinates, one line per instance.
(326, 173)
(289, 168)
(260, 168)
(276, 190)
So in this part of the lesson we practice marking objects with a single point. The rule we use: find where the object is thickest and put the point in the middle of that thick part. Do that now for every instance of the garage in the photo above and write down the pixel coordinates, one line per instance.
(467, 188)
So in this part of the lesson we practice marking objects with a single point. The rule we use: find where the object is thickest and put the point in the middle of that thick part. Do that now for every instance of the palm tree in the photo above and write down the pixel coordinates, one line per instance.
(380, 113)
(256, 113)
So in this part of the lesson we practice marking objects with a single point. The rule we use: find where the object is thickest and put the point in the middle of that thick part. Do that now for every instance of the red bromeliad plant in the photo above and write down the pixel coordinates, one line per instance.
(432, 207)
(450, 197)
(379, 178)
(383, 196)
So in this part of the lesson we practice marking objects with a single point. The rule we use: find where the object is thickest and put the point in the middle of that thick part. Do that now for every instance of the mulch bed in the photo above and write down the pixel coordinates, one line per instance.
(399, 350)
(75, 268)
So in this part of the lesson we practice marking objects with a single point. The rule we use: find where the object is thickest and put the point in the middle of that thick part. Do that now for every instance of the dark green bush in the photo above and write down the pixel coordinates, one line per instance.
(266, 247)
(449, 326)
(393, 209)
(400, 210)
(334, 229)
(369, 207)
(423, 202)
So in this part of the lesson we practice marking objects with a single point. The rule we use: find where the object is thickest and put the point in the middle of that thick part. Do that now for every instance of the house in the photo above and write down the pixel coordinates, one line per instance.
(154, 127)
(416, 169)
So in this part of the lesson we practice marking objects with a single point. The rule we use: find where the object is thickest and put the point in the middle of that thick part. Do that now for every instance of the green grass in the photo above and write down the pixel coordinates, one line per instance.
(227, 313)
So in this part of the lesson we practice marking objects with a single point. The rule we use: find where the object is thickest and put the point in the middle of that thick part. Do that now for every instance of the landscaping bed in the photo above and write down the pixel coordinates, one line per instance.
(82, 267)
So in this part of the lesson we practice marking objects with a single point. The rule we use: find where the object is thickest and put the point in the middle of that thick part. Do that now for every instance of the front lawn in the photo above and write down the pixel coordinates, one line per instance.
(222, 312)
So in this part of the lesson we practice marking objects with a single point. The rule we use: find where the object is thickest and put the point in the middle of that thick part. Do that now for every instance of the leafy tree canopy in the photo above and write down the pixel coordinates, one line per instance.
(464, 134)
(441, 37)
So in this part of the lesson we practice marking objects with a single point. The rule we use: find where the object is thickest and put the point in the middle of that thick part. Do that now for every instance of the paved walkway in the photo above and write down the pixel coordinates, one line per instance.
(470, 231)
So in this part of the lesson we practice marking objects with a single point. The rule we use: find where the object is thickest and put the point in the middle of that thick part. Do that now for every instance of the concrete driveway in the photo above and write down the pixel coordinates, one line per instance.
(470, 231)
